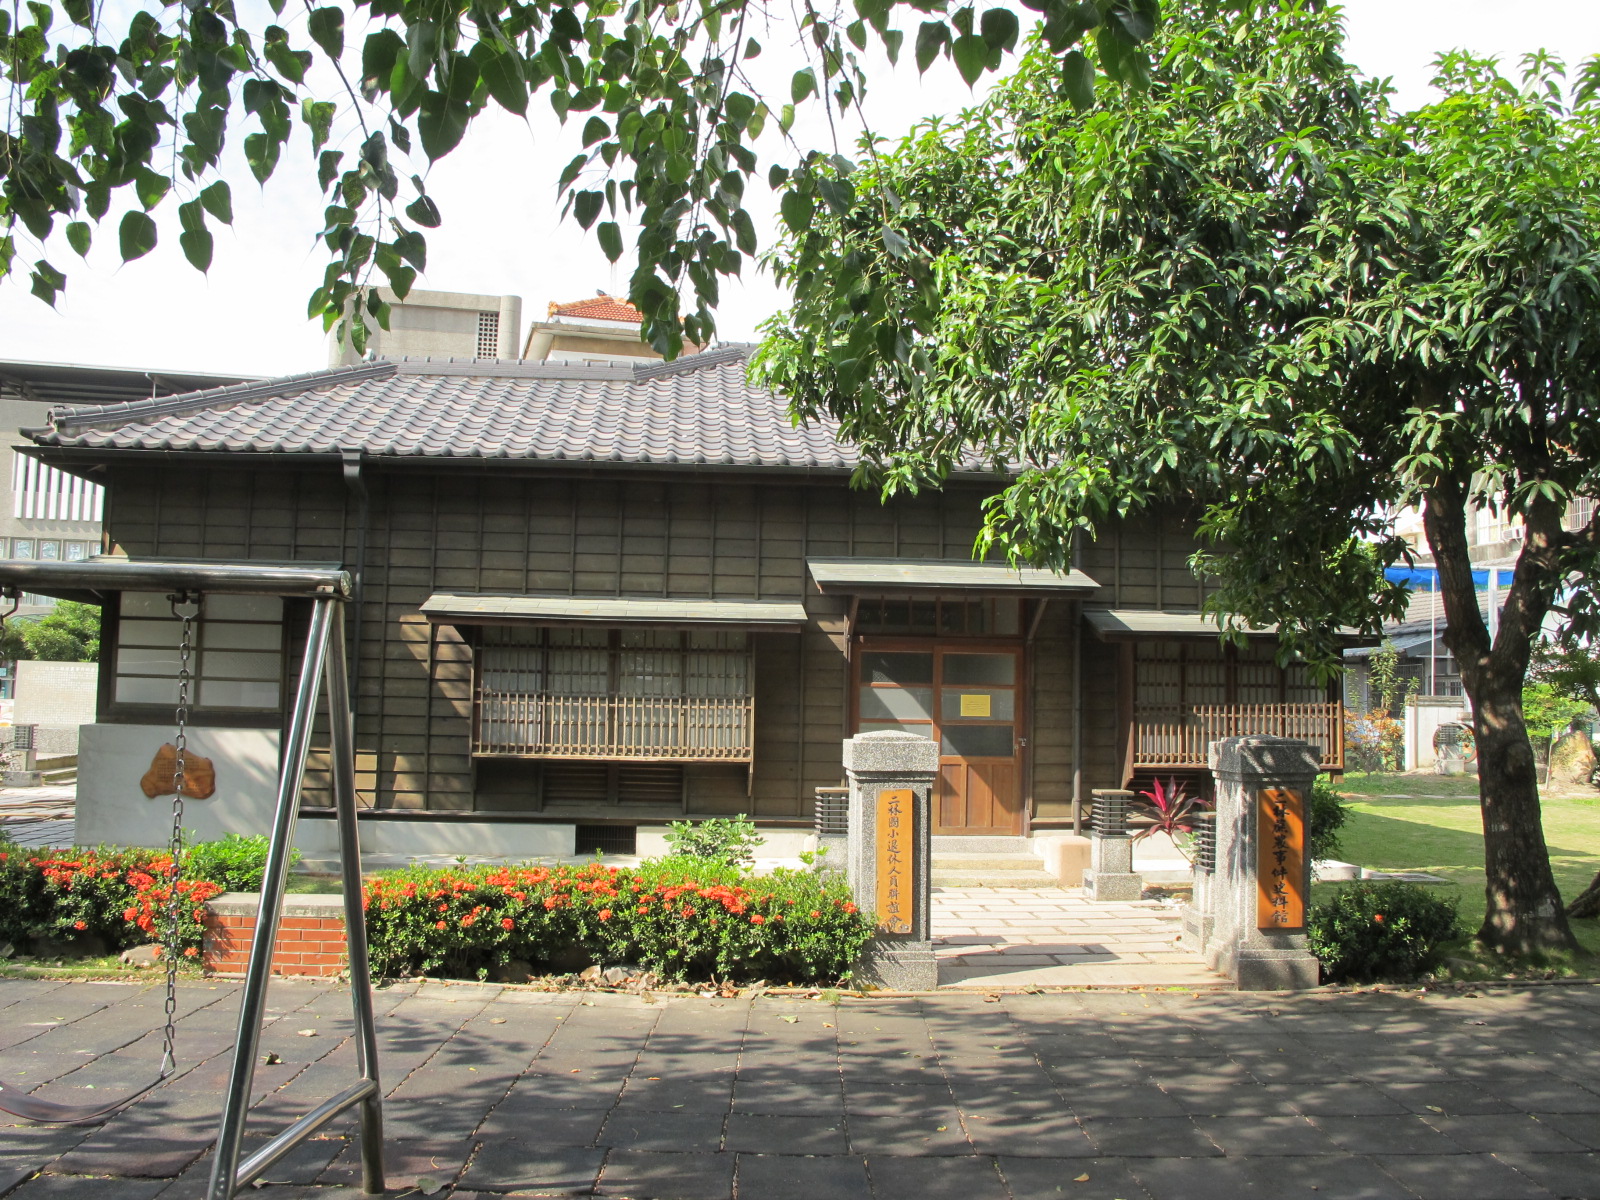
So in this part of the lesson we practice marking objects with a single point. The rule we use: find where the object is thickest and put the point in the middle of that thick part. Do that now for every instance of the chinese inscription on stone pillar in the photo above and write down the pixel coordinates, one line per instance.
(896, 859)
(1281, 858)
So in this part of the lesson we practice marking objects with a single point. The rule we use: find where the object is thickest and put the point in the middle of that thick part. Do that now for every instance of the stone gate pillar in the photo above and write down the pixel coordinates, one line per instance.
(891, 777)
(1257, 893)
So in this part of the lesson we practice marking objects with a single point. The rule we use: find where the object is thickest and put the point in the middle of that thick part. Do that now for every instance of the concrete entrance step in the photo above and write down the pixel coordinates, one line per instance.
(990, 868)
(944, 843)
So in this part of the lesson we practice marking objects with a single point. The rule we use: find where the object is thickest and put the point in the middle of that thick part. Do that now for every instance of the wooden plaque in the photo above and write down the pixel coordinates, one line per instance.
(897, 860)
(1280, 859)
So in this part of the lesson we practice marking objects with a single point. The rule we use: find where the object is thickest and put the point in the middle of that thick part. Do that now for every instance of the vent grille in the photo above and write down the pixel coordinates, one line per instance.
(576, 783)
(488, 335)
(650, 783)
(607, 839)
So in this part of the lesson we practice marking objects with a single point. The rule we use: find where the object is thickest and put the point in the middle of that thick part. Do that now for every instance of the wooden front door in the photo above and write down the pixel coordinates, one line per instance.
(966, 697)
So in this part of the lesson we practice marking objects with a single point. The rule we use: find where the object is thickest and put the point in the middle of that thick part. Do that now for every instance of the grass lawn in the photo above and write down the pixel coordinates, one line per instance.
(1432, 823)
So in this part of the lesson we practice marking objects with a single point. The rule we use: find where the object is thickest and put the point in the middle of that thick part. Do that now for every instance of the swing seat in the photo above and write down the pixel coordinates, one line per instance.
(48, 1112)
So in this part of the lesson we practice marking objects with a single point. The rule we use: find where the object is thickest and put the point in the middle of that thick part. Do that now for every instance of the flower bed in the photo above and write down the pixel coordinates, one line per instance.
(115, 896)
(680, 918)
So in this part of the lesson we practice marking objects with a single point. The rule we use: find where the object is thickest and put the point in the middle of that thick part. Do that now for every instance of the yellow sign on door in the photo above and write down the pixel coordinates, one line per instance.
(976, 704)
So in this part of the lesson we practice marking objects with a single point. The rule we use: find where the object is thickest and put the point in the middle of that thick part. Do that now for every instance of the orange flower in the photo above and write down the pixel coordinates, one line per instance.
(1378, 918)
(80, 924)
(604, 914)
(815, 913)
(507, 923)
(191, 952)
(439, 925)
(758, 919)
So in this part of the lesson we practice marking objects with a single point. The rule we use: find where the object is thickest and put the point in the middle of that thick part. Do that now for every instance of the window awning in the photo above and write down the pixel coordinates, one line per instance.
(1134, 624)
(1127, 624)
(770, 616)
(876, 576)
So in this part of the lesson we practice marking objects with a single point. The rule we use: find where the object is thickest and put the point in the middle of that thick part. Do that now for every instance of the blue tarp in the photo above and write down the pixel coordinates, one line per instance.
(1426, 579)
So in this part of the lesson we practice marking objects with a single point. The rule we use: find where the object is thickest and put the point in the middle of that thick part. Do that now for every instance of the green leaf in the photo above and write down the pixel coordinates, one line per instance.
(503, 75)
(318, 116)
(752, 48)
(610, 239)
(78, 237)
(218, 201)
(441, 123)
(1129, 23)
(786, 118)
(197, 246)
(740, 108)
(892, 40)
(150, 186)
(895, 242)
(838, 194)
(803, 84)
(261, 152)
(137, 234)
(47, 281)
(999, 28)
(595, 130)
(328, 167)
(1077, 78)
(586, 207)
(972, 56)
(931, 38)
(191, 216)
(326, 26)
(424, 212)
(797, 209)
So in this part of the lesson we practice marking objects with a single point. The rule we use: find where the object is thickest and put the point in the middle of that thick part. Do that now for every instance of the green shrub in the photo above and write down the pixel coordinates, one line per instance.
(1328, 814)
(1370, 932)
(117, 895)
(720, 839)
(683, 919)
(234, 862)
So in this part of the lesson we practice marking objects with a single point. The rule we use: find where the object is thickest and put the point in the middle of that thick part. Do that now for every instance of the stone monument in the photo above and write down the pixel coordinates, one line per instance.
(1253, 921)
(1111, 875)
(891, 777)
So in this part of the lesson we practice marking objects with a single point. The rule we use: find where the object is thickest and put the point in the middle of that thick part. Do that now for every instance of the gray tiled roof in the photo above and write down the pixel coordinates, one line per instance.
(698, 410)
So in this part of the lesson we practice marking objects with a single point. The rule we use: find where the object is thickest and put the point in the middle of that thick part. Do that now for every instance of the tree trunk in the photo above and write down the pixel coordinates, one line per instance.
(1587, 903)
(1523, 913)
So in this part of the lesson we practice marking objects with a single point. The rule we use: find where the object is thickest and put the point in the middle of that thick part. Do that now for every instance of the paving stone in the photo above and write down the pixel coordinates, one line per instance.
(1453, 1097)
(1461, 1177)
(1152, 1137)
(1344, 1176)
(797, 1177)
(1241, 1137)
(1336, 1099)
(1056, 1135)
(528, 1167)
(686, 1131)
(132, 1146)
(637, 1173)
(1492, 1134)
(405, 1163)
(968, 1178)
(765, 1134)
(1047, 1178)
(1570, 1176)
(76, 1187)
(867, 1098)
(1196, 1179)
(1387, 1135)
(926, 1134)
(553, 1127)
(1580, 1127)
(1129, 1101)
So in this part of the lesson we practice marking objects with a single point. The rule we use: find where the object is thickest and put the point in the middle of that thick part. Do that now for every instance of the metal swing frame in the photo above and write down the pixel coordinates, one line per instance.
(328, 586)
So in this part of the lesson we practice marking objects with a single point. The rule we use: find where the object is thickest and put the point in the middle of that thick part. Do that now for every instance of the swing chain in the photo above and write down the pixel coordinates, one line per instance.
(185, 607)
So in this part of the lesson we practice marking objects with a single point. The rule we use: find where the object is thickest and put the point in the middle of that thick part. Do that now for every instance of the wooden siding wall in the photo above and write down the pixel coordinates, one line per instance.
(615, 534)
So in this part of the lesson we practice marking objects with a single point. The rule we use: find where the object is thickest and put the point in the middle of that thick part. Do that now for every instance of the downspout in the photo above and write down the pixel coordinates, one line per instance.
(357, 486)
(1077, 699)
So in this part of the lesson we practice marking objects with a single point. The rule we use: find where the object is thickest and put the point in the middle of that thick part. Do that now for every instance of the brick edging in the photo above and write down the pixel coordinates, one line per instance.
(310, 941)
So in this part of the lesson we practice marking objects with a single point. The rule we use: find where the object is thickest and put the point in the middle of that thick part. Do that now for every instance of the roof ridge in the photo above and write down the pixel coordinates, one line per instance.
(691, 362)
(114, 415)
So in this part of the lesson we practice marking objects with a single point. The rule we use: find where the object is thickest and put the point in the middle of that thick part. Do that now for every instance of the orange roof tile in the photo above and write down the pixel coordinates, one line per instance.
(597, 308)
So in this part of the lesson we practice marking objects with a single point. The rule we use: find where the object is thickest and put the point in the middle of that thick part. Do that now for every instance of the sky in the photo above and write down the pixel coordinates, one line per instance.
(503, 233)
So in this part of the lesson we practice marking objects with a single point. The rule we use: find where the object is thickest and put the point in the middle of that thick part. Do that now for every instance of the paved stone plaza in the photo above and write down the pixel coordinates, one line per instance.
(1171, 1095)
(1054, 937)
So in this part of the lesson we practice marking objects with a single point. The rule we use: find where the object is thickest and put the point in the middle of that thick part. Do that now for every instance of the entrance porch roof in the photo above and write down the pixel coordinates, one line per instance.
(856, 576)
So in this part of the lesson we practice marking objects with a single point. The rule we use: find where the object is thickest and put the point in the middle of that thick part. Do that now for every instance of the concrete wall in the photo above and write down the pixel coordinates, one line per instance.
(111, 807)
(58, 697)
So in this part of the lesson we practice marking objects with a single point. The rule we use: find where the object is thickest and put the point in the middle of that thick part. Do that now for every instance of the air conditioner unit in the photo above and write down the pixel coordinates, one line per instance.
(1513, 533)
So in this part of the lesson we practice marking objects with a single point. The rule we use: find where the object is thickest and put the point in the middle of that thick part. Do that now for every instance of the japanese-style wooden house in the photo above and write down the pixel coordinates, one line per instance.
(593, 599)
